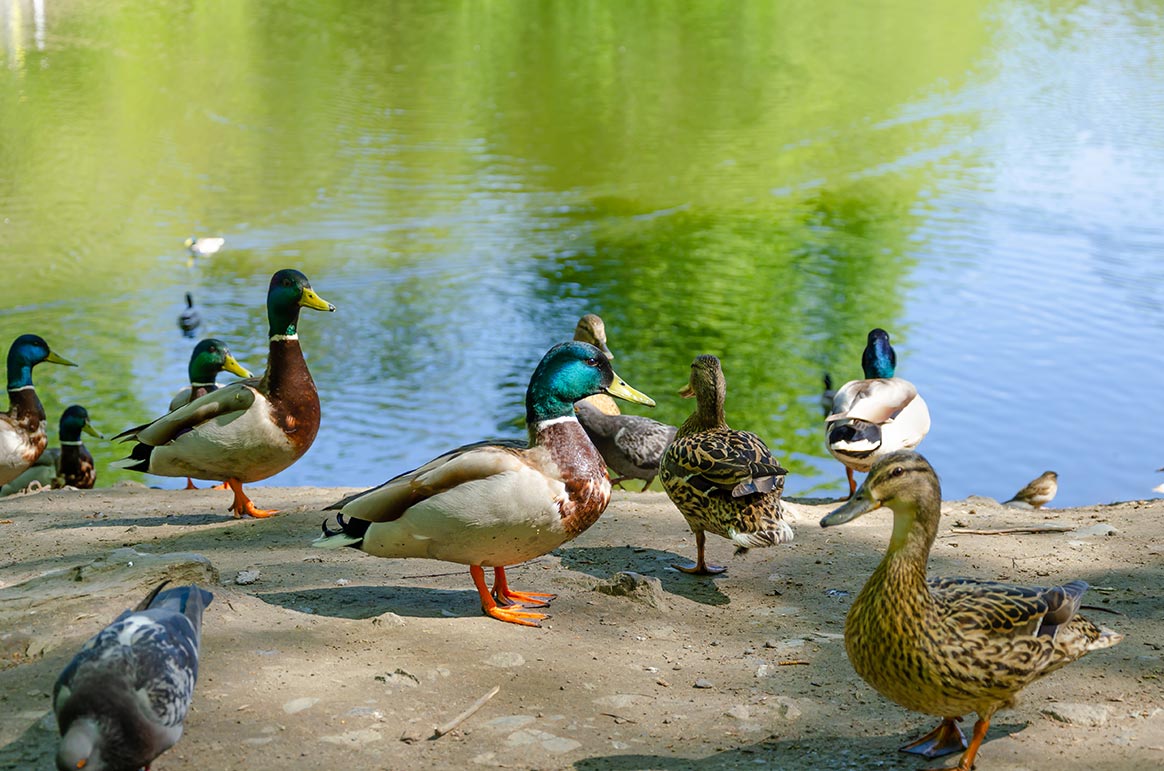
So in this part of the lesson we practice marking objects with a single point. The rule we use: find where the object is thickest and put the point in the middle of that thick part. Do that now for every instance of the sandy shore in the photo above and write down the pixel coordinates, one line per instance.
(339, 660)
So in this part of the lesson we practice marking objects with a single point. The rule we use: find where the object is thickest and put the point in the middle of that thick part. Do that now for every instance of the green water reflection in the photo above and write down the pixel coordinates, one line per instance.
(463, 180)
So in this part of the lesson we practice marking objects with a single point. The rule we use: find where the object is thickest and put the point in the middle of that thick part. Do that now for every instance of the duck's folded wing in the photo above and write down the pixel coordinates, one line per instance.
(736, 461)
(1007, 610)
(643, 440)
(877, 400)
(236, 397)
(465, 464)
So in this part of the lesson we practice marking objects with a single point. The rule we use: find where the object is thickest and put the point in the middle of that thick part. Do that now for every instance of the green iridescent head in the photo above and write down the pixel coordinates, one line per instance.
(210, 357)
(289, 291)
(878, 358)
(569, 372)
(74, 420)
(26, 352)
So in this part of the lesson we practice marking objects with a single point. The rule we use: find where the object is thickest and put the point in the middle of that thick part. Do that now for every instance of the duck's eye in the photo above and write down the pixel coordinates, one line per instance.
(592, 361)
(897, 471)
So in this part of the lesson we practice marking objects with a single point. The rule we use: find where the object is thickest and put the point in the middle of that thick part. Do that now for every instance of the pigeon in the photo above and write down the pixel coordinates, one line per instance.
(1038, 493)
(122, 699)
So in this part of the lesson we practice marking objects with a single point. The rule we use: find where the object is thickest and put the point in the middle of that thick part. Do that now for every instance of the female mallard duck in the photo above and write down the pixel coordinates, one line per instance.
(208, 358)
(591, 329)
(76, 465)
(948, 646)
(249, 430)
(189, 319)
(496, 504)
(631, 445)
(205, 246)
(721, 480)
(22, 437)
(877, 415)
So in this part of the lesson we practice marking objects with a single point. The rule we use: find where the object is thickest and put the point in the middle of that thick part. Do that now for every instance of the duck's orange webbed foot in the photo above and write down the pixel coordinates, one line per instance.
(222, 486)
(512, 613)
(242, 505)
(190, 484)
(946, 739)
(701, 567)
(507, 597)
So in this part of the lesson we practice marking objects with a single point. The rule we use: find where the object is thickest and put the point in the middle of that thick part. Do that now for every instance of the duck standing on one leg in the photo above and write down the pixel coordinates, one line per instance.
(949, 646)
(249, 430)
(723, 481)
(493, 504)
(22, 436)
(77, 468)
(208, 358)
(875, 416)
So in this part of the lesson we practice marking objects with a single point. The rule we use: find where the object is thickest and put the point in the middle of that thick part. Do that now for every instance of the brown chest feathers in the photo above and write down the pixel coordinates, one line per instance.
(291, 393)
(570, 456)
(27, 414)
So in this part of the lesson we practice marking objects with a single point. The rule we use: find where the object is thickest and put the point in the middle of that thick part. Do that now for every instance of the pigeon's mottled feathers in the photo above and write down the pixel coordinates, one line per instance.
(122, 699)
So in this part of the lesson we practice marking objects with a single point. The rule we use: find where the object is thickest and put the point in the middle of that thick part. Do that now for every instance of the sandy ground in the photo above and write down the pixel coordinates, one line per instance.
(340, 660)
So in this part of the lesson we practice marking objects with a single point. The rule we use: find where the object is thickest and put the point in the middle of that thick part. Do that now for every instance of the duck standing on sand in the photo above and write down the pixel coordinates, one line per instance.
(630, 444)
(210, 357)
(76, 465)
(877, 415)
(494, 504)
(949, 646)
(722, 480)
(249, 430)
(22, 436)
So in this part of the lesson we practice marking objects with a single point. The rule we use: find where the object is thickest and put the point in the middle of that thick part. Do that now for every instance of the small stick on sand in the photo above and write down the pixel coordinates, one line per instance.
(468, 713)
(1034, 529)
(792, 663)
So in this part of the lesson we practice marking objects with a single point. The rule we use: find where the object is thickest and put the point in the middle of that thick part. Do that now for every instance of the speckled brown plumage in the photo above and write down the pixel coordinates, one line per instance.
(723, 481)
(950, 646)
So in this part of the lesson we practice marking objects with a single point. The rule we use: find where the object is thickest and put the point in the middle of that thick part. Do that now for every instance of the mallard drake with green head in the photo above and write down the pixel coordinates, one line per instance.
(493, 504)
(723, 481)
(22, 436)
(949, 646)
(592, 329)
(249, 430)
(210, 357)
(77, 468)
(877, 415)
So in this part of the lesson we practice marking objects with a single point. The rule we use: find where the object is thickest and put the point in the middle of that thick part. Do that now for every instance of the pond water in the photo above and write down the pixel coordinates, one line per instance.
(764, 181)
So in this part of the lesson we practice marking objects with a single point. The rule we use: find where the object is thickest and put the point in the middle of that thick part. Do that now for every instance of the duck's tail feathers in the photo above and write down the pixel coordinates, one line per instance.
(351, 533)
(775, 531)
(855, 438)
(138, 460)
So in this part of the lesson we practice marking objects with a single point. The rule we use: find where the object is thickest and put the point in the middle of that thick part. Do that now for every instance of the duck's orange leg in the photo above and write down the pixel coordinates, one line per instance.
(700, 568)
(980, 727)
(506, 596)
(491, 608)
(220, 486)
(852, 481)
(190, 484)
(242, 504)
(947, 738)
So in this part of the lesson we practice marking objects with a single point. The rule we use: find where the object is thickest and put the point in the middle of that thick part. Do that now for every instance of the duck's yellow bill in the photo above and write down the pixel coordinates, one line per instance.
(309, 299)
(620, 389)
(231, 365)
(88, 429)
(55, 359)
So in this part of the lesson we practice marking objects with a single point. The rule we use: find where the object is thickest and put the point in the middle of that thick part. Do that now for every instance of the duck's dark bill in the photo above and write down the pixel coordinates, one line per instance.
(859, 504)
